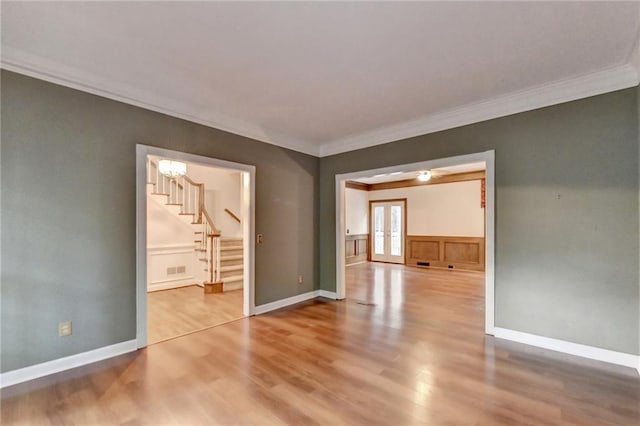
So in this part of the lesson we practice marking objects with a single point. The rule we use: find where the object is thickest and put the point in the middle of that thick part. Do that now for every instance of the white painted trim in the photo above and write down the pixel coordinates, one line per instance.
(248, 211)
(490, 241)
(141, 245)
(584, 351)
(633, 58)
(565, 90)
(341, 220)
(167, 252)
(489, 158)
(328, 294)
(61, 364)
(171, 248)
(282, 303)
(173, 283)
(570, 89)
(37, 67)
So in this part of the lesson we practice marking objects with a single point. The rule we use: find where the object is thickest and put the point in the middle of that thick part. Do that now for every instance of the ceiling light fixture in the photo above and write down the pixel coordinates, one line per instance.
(172, 169)
(424, 176)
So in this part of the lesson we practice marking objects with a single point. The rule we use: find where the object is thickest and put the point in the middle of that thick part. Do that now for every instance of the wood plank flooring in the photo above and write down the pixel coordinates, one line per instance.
(405, 348)
(183, 310)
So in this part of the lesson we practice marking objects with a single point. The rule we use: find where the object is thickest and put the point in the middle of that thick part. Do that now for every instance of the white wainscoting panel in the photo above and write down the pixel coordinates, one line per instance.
(163, 266)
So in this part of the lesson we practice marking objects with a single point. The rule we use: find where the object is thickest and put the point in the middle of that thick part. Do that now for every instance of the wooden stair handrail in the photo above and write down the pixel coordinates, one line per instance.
(230, 213)
(210, 221)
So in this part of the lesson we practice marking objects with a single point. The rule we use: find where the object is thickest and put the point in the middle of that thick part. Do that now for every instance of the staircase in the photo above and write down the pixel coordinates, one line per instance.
(221, 258)
(231, 263)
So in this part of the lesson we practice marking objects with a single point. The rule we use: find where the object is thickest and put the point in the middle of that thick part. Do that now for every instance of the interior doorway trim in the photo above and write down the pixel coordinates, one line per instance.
(489, 158)
(248, 211)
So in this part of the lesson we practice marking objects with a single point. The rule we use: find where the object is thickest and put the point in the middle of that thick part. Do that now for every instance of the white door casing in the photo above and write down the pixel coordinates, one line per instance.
(247, 211)
(489, 159)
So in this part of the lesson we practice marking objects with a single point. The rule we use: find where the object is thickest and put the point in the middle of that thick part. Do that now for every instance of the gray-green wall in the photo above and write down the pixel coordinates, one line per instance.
(68, 215)
(566, 214)
(567, 220)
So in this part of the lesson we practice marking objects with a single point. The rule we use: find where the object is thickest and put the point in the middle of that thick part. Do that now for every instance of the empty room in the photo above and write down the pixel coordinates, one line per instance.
(320, 213)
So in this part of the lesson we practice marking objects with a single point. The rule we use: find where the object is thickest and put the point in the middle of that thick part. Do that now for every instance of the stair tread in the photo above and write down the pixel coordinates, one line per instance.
(231, 257)
(231, 268)
(232, 278)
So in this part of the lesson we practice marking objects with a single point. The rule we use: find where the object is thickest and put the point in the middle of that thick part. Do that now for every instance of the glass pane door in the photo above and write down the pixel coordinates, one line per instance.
(378, 220)
(387, 231)
(396, 230)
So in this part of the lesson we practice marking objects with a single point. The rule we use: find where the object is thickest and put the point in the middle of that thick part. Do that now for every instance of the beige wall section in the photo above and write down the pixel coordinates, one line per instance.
(448, 209)
(357, 211)
(170, 244)
(222, 191)
(164, 227)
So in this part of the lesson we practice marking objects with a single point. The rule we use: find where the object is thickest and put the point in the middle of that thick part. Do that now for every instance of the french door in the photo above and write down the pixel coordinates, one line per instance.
(387, 230)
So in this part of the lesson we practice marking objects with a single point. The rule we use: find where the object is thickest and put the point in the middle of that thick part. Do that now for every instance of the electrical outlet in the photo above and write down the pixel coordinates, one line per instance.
(300, 279)
(64, 329)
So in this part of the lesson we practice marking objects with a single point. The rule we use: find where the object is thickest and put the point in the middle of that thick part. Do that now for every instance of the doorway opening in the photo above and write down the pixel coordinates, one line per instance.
(195, 255)
(431, 256)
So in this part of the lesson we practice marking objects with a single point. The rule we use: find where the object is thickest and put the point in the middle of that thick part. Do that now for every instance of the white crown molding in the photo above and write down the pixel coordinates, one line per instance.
(37, 67)
(609, 80)
(61, 364)
(633, 58)
(584, 351)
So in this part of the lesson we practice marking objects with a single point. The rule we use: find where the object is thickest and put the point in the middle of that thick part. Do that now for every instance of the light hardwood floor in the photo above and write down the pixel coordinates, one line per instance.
(405, 348)
(172, 313)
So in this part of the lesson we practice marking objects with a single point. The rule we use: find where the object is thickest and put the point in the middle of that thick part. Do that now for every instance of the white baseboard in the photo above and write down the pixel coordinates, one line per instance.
(328, 294)
(50, 367)
(591, 352)
(173, 284)
(285, 302)
(293, 300)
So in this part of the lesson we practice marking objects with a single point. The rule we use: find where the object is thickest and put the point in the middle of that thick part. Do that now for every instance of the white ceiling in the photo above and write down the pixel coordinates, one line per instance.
(410, 174)
(323, 77)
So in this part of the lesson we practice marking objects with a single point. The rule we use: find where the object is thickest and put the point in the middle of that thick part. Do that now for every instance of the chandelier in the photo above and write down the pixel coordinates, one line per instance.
(172, 169)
